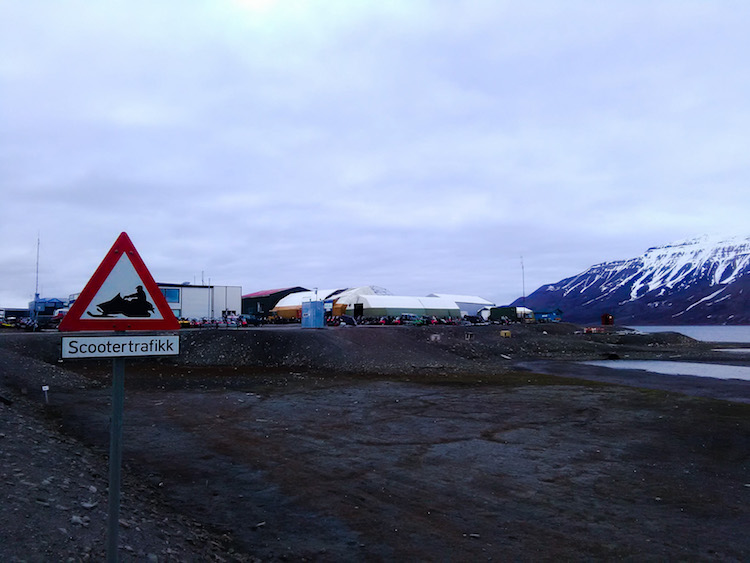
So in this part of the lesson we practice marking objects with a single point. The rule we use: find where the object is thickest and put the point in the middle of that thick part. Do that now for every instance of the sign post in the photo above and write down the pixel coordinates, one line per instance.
(115, 458)
(121, 296)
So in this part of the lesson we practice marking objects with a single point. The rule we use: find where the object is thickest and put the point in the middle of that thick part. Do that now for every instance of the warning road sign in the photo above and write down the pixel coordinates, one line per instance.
(121, 295)
(119, 346)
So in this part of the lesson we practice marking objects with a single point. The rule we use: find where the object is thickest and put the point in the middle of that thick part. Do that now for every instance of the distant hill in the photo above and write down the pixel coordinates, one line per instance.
(700, 281)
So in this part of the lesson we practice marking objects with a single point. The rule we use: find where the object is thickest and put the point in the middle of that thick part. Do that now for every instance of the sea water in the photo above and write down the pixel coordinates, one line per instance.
(717, 333)
(717, 371)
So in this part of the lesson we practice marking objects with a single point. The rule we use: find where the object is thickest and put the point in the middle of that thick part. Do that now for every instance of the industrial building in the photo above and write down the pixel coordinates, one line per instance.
(468, 304)
(202, 301)
(46, 306)
(186, 301)
(261, 303)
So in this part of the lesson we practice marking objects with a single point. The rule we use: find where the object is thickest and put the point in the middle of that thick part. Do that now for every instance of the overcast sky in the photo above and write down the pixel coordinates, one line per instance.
(422, 146)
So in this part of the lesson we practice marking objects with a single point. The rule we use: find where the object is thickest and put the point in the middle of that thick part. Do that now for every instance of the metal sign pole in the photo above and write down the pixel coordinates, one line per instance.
(121, 272)
(115, 457)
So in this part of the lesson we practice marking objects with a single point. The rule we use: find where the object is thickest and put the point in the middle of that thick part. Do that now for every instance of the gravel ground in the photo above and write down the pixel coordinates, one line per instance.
(54, 487)
(383, 443)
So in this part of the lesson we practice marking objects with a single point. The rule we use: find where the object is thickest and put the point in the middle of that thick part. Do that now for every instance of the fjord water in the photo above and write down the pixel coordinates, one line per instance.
(739, 334)
(718, 334)
(717, 371)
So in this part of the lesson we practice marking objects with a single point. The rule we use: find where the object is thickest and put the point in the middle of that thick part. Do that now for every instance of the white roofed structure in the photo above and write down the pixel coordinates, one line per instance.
(468, 304)
(374, 301)
(354, 295)
(290, 307)
(395, 305)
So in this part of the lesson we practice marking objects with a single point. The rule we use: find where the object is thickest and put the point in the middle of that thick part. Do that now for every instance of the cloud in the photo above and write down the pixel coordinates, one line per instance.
(419, 145)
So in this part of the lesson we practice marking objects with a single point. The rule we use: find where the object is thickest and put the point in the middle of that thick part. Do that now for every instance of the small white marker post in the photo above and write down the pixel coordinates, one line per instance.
(45, 388)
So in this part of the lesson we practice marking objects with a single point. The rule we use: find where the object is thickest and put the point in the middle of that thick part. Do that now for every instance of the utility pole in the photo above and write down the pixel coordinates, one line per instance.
(35, 313)
(523, 284)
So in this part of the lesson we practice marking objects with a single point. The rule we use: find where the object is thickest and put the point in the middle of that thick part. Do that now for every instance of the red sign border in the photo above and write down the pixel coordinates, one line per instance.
(74, 321)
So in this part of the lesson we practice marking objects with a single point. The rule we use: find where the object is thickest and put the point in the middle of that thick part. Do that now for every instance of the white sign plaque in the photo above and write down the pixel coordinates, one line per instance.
(119, 346)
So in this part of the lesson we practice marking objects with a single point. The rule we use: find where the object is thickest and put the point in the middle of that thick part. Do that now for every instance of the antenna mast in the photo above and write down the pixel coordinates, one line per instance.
(523, 283)
(38, 242)
(36, 287)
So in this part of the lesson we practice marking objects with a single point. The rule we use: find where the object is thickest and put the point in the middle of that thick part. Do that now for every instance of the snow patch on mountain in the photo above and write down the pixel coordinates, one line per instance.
(668, 267)
(683, 279)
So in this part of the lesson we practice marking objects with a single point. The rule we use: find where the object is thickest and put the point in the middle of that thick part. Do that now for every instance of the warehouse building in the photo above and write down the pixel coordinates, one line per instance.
(468, 304)
(202, 301)
(261, 303)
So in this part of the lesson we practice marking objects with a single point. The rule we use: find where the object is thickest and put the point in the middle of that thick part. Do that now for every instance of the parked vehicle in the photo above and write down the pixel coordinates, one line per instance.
(348, 320)
(58, 316)
(37, 323)
(249, 320)
(407, 319)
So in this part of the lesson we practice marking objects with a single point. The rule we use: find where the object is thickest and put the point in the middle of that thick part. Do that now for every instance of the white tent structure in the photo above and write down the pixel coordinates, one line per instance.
(373, 301)
(338, 301)
(395, 305)
(353, 296)
(468, 304)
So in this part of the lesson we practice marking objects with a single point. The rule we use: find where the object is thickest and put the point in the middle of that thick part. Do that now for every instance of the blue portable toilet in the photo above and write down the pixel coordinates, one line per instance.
(313, 314)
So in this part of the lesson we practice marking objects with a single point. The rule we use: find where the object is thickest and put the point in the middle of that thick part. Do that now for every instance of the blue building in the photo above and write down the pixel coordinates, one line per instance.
(46, 306)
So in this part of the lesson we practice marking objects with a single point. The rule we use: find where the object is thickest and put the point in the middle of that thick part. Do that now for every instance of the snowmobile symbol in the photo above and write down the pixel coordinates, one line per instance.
(133, 305)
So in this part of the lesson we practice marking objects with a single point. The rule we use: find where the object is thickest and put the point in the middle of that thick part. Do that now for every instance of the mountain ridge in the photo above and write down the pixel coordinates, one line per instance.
(704, 280)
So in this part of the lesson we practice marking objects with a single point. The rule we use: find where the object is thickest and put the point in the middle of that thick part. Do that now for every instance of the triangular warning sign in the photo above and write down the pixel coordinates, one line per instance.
(121, 295)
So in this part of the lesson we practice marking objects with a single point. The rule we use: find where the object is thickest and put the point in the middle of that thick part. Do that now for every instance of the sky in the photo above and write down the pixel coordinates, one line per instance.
(425, 146)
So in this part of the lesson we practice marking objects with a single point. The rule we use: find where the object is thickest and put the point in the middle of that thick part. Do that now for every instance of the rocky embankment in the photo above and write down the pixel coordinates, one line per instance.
(394, 350)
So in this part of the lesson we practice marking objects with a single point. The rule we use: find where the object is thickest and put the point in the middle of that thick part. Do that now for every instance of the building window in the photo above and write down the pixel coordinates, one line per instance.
(171, 294)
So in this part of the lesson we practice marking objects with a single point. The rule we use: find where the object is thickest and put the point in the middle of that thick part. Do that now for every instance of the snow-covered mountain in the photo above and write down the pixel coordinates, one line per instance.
(700, 281)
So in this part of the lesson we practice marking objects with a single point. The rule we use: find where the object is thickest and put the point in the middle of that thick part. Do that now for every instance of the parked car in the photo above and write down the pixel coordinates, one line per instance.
(58, 316)
(407, 319)
(348, 320)
(249, 320)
